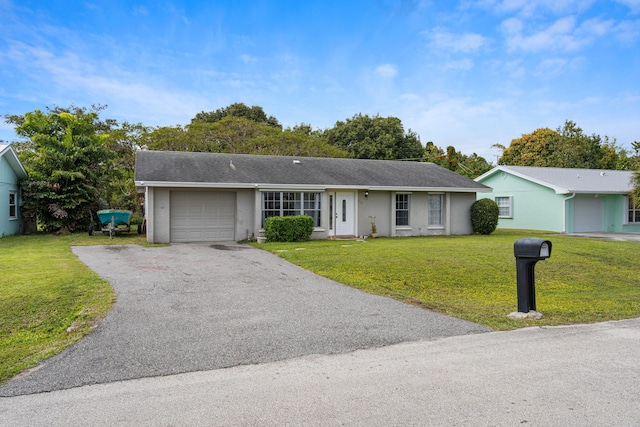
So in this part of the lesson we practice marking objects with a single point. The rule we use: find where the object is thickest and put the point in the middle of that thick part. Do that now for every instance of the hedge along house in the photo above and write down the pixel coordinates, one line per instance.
(11, 171)
(563, 199)
(192, 197)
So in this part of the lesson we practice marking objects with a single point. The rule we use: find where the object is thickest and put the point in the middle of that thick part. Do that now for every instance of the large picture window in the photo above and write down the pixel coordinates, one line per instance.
(436, 209)
(13, 210)
(288, 203)
(402, 209)
(504, 207)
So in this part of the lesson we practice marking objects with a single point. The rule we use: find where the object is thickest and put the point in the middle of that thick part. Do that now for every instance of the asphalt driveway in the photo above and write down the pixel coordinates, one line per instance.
(187, 308)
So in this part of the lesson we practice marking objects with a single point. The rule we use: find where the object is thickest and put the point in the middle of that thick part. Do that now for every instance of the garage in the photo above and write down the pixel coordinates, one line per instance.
(587, 214)
(202, 216)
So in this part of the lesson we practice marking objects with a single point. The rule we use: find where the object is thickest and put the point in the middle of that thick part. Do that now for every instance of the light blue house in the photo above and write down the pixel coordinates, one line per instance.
(11, 170)
(562, 199)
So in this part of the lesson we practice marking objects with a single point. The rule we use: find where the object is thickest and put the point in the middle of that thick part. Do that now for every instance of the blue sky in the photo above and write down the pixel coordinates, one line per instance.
(463, 73)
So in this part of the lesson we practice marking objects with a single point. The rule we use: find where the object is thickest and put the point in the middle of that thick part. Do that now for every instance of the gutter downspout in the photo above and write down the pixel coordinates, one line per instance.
(564, 212)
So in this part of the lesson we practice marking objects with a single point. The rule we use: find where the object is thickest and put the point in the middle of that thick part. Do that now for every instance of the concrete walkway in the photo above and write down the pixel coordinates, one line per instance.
(629, 237)
(586, 375)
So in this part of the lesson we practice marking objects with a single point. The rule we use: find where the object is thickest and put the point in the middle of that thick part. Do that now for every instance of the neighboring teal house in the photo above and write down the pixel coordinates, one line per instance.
(562, 199)
(11, 170)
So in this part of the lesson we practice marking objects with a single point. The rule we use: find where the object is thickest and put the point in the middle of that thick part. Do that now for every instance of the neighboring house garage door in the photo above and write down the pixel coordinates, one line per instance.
(202, 216)
(587, 214)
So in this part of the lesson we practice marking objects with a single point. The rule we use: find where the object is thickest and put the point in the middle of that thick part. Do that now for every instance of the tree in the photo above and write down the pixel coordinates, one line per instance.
(470, 166)
(289, 143)
(382, 138)
(123, 141)
(239, 135)
(635, 194)
(566, 147)
(306, 129)
(168, 138)
(254, 113)
(68, 163)
(231, 134)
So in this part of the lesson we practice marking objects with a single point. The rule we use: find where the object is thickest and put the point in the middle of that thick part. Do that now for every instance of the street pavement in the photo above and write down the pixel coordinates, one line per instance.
(584, 375)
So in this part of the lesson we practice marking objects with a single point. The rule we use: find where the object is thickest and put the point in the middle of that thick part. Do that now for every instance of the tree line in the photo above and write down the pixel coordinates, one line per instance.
(79, 163)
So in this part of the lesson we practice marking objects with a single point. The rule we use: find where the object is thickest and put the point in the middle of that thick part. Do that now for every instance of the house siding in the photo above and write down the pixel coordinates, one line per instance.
(158, 201)
(380, 204)
(538, 207)
(377, 205)
(533, 206)
(460, 208)
(623, 217)
(8, 184)
(614, 213)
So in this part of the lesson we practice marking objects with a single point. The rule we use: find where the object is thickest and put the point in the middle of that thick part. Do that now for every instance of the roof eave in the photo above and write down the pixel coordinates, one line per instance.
(558, 190)
(308, 187)
(596, 192)
(14, 162)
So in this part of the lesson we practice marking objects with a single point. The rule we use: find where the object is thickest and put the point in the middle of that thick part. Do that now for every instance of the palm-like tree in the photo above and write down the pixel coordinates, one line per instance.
(635, 193)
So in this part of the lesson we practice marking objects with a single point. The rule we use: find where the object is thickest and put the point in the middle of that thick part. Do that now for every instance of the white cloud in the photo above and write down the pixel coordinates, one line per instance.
(628, 31)
(84, 83)
(248, 59)
(533, 8)
(387, 71)
(515, 69)
(449, 120)
(460, 65)
(562, 35)
(140, 10)
(551, 67)
(467, 42)
(594, 28)
(634, 5)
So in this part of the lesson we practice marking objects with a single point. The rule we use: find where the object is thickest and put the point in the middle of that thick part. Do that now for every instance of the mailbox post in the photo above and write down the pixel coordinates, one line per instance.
(528, 252)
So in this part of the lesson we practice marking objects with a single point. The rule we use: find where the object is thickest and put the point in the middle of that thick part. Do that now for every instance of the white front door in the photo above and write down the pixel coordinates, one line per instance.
(345, 214)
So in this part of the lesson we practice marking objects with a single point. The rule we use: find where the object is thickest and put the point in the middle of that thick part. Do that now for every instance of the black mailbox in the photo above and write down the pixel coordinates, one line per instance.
(528, 252)
(532, 248)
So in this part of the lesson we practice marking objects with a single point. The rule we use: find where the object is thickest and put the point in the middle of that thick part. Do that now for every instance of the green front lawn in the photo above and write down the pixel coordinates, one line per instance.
(474, 277)
(48, 298)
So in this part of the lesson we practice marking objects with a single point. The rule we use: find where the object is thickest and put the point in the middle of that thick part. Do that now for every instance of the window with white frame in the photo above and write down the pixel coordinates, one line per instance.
(634, 212)
(330, 211)
(311, 206)
(402, 209)
(436, 209)
(13, 209)
(504, 207)
(287, 203)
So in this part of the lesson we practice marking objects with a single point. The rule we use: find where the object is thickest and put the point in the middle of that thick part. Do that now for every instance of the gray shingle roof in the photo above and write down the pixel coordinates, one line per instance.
(568, 180)
(174, 168)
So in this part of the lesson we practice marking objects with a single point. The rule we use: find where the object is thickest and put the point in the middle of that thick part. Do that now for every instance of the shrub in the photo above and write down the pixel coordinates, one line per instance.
(484, 216)
(288, 228)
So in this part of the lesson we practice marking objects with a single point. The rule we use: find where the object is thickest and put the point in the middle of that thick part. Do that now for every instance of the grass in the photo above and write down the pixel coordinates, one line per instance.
(48, 298)
(474, 277)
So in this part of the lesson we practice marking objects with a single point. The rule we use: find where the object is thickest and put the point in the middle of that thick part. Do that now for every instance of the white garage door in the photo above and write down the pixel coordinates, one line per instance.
(587, 214)
(202, 216)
